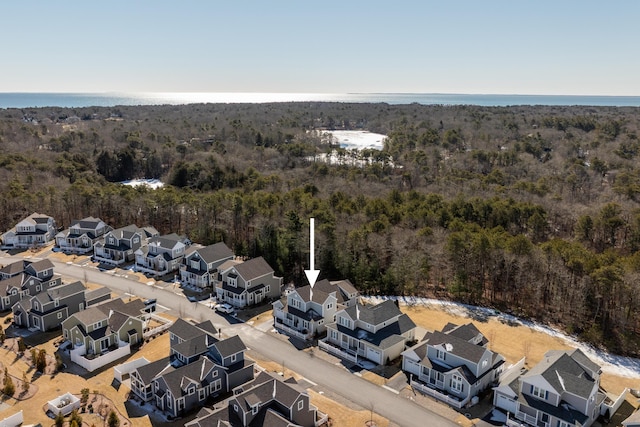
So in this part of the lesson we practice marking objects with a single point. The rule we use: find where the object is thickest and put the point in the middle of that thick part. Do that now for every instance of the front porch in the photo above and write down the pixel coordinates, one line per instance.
(342, 353)
(106, 256)
(449, 399)
(305, 336)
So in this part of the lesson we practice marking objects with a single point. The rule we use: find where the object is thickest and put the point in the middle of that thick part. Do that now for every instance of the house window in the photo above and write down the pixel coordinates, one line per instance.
(300, 405)
(60, 315)
(456, 383)
(334, 334)
(562, 424)
(192, 390)
(65, 334)
(104, 344)
(254, 409)
(36, 322)
(441, 354)
(329, 306)
(215, 374)
(233, 358)
(56, 303)
(484, 363)
(232, 281)
(267, 289)
(235, 408)
(201, 394)
(180, 404)
(217, 385)
(344, 322)
(538, 392)
(38, 288)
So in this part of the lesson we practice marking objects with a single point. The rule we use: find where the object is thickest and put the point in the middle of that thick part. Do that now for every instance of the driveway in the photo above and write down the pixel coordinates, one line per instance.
(400, 410)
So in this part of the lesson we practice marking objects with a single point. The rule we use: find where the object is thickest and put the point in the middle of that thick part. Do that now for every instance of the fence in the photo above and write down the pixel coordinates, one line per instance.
(78, 357)
(329, 348)
(12, 421)
(440, 396)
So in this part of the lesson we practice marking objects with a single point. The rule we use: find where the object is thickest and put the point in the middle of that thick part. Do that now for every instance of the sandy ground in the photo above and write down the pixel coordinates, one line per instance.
(512, 341)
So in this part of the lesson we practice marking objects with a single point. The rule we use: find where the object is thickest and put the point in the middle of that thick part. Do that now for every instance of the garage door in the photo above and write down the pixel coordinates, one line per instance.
(374, 355)
(507, 404)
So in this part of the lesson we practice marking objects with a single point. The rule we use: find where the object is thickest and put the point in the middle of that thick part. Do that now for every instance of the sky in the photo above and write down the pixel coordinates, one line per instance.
(541, 47)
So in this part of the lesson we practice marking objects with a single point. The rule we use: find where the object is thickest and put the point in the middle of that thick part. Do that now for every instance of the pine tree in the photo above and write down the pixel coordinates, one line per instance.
(113, 420)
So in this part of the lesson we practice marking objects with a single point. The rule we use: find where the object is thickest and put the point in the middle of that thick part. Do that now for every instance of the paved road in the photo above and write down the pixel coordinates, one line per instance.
(353, 388)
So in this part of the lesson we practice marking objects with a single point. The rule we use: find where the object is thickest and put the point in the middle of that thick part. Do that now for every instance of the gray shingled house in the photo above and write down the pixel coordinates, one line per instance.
(199, 266)
(268, 400)
(23, 279)
(118, 246)
(162, 254)
(247, 283)
(80, 237)
(562, 390)
(305, 311)
(374, 332)
(34, 231)
(452, 365)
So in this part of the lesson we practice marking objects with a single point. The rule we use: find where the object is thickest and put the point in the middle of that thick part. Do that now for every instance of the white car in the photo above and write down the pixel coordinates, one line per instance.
(224, 308)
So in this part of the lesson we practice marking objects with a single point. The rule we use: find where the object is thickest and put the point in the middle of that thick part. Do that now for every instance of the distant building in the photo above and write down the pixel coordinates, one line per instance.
(34, 231)
(81, 235)
(251, 282)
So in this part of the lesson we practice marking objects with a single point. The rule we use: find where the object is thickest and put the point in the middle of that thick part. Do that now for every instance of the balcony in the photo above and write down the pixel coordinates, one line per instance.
(337, 351)
(304, 336)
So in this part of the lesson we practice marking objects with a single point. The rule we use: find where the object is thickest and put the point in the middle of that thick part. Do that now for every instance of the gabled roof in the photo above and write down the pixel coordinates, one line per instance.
(345, 286)
(187, 331)
(254, 268)
(41, 265)
(168, 241)
(151, 370)
(565, 372)
(385, 337)
(90, 316)
(456, 346)
(13, 282)
(194, 346)
(374, 314)
(215, 252)
(317, 294)
(14, 268)
(64, 291)
(37, 218)
(126, 232)
(88, 223)
(230, 346)
(195, 372)
(92, 294)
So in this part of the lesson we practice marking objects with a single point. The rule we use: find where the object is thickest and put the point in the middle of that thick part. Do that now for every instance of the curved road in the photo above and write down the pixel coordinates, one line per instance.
(353, 388)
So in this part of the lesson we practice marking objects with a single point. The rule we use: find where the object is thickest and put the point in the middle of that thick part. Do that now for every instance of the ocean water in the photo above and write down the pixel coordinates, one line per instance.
(27, 100)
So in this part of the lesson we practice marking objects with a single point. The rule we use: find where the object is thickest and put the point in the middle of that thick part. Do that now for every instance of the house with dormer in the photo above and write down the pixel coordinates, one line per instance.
(378, 332)
(268, 400)
(305, 311)
(452, 365)
(80, 237)
(47, 309)
(106, 325)
(247, 283)
(34, 231)
(176, 387)
(119, 246)
(23, 279)
(162, 254)
(562, 390)
(199, 266)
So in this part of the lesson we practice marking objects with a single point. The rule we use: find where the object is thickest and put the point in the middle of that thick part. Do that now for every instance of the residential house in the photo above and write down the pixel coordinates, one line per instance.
(374, 332)
(47, 309)
(81, 235)
(247, 283)
(162, 255)
(119, 246)
(214, 367)
(188, 342)
(200, 266)
(268, 400)
(22, 279)
(34, 231)
(305, 311)
(106, 325)
(562, 390)
(453, 365)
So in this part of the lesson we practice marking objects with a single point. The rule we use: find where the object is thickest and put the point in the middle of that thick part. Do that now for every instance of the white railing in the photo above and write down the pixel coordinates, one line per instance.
(166, 324)
(529, 419)
(78, 357)
(321, 418)
(514, 423)
(292, 332)
(120, 371)
(440, 396)
(14, 420)
(336, 351)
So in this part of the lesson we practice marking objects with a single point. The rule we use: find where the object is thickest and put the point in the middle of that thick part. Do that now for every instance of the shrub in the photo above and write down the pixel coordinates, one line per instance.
(113, 420)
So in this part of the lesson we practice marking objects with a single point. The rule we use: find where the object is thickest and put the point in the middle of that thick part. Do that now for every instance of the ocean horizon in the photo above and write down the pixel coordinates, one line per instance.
(78, 100)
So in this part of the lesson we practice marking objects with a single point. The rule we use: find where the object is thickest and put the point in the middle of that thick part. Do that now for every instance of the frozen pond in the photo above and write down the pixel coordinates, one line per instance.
(151, 183)
(357, 139)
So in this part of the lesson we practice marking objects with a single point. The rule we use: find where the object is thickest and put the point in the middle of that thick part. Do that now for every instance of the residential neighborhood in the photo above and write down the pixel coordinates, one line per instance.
(206, 376)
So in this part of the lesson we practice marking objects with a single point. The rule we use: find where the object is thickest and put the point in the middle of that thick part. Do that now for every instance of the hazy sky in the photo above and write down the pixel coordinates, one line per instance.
(476, 46)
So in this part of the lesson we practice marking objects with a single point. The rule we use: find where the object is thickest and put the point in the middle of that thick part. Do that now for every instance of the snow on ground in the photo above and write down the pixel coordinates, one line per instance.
(151, 183)
(619, 365)
(357, 139)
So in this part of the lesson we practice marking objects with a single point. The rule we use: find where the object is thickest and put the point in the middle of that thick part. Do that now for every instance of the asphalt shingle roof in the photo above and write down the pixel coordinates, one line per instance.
(253, 268)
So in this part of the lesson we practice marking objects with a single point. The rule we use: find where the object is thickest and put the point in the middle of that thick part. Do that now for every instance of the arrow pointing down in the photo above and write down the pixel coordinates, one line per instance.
(312, 273)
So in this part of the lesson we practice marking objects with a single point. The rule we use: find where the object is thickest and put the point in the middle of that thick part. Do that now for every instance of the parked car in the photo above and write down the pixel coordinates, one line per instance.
(224, 308)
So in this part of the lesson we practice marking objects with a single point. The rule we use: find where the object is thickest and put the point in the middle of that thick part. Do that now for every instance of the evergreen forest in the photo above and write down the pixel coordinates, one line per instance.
(533, 210)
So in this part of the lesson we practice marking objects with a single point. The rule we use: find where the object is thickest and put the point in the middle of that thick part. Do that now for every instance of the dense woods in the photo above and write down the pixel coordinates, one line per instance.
(532, 209)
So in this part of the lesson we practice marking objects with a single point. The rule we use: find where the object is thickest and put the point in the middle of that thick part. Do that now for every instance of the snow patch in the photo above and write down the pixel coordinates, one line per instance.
(154, 184)
(628, 367)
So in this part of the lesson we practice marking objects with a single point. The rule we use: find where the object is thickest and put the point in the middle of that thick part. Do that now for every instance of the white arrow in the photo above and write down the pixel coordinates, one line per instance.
(312, 273)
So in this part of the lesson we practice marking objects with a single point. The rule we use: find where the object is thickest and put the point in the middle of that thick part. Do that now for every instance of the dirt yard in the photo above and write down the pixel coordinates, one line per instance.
(512, 341)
